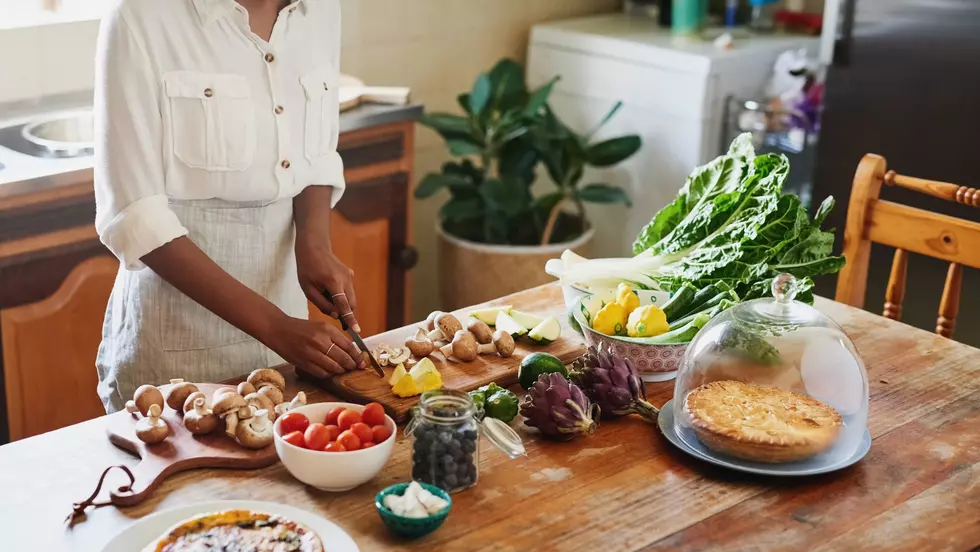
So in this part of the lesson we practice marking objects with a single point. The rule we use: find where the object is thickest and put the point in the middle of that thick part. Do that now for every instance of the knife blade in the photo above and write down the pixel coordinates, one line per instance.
(360, 344)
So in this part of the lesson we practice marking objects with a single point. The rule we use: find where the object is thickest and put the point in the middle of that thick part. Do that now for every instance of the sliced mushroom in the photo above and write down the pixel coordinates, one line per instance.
(199, 420)
(189, 401)
(420, 345)
(446, 326)
(246, 388)
(480, 331)
(255, 432)
(430, 321)
(178, 393)
(146, 396)
(152, 429)
(225, 406)
(383, 359)
(503, 345)
(463, 347)
(261, 401)
(298, 401)
(271, 391)
(267, 376)
(399, 355)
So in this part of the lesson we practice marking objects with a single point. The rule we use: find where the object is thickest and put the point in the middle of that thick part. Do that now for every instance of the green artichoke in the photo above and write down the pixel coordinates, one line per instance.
(611, 382)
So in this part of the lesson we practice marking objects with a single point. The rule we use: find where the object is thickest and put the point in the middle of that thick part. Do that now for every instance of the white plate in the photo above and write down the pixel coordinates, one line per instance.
(143, 532)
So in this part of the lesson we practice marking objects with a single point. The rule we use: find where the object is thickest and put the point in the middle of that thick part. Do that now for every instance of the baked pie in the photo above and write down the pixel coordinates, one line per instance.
(761, 423)
(238, 530)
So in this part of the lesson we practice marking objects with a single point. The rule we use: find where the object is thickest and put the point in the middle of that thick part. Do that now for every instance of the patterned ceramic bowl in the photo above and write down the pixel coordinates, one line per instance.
(652, 362)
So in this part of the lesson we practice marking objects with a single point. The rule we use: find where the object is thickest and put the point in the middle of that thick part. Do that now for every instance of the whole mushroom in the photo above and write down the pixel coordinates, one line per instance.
(420, 345)
(503, 345)
(272, 392)
(463, 347)
(261, 401)
(480, 331)
(147, 396)
(152, 429)
(226, 406)
(255, 430)
(246, 388)
(430, 321)
(178, 393)
(298, 401)
(189, 401)
(446, 326)
(199, 420)
(267, 376)
(221, 391)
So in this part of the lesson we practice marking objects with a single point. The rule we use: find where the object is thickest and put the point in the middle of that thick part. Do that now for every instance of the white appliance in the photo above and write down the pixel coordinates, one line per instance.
(673, 90)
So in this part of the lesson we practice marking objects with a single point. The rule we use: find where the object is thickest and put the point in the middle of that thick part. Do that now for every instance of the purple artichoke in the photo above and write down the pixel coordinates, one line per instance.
(611, 382)
(558, 408)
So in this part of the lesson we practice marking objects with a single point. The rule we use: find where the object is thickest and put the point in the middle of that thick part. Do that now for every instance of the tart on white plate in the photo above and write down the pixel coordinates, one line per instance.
(761, 423)
(237, 530)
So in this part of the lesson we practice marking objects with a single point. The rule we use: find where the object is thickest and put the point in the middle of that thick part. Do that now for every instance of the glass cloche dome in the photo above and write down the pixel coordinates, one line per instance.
(772, 381)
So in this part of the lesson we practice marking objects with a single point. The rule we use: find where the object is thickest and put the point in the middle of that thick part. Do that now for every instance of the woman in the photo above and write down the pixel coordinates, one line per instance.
(216, 169)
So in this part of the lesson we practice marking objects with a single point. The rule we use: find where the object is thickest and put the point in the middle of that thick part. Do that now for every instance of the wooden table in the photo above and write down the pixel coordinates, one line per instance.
(624, 488)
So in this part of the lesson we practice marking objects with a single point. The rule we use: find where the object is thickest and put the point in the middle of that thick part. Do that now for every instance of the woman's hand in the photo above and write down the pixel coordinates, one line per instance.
(326, 281)
(316, 348)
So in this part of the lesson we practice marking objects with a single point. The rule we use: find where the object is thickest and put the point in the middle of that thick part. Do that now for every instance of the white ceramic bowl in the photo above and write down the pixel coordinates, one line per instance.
(334, 471)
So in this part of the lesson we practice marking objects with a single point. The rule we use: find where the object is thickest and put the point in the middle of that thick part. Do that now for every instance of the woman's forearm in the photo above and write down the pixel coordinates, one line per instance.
(183, 265)
(311, 213)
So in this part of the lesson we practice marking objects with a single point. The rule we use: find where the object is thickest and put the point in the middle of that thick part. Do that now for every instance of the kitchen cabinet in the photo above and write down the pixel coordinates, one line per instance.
(55, 275)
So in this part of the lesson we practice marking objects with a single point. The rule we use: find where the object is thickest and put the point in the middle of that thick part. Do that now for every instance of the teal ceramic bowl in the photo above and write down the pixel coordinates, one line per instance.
(411, 528)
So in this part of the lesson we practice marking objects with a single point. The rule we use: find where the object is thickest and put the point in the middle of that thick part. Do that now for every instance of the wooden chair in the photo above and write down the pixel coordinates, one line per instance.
(907, 229)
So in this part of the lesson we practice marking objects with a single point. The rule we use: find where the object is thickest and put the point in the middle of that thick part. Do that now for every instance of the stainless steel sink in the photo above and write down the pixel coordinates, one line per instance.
(64, 135)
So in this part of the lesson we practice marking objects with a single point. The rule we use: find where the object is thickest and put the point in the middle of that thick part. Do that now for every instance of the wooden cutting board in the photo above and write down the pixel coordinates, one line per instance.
(365, 386)
(180, 451)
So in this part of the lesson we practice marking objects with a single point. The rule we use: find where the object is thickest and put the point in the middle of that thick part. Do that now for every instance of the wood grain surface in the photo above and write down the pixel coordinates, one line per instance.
(625, 488)
(365, 386)
(179, 452)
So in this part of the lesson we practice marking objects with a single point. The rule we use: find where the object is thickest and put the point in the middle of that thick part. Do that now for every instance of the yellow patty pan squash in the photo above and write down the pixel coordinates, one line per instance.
(611, 319)
(626, 297)
(647, 321)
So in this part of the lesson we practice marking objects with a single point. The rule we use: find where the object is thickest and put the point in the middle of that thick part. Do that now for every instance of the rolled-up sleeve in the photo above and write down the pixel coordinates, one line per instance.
(132, 213)
(328, 170)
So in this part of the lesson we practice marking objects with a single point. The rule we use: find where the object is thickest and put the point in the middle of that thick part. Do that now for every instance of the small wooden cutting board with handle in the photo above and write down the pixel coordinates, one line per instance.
(180, 451)
(364, 386)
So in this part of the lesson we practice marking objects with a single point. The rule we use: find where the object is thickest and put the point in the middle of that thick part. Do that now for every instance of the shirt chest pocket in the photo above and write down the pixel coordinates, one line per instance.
(212, 120)
(322, 110)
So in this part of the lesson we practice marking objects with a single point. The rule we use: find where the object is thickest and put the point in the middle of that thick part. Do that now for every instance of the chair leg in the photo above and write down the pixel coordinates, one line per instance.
(949, 305)
(895, 293)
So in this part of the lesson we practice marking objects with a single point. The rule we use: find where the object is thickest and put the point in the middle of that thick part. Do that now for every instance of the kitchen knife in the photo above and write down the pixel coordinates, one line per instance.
(360, 344)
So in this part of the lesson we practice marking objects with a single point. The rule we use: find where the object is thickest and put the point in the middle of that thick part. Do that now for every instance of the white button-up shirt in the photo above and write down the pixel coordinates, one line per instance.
(190, 104)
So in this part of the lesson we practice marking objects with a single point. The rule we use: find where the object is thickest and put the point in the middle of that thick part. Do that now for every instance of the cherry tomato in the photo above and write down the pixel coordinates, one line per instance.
(294, 421)
(363, 431)
(373, 414)
(350, 440)
(333, 415)
(348, 418)
(332, 433)
(380, 434)
(316, 436)
(367, 444)
(295, 438)
(335, 446)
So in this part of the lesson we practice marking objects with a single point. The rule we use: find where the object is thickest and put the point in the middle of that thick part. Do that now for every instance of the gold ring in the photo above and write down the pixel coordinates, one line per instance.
(332, 345)
(338, 295)
(348, 313)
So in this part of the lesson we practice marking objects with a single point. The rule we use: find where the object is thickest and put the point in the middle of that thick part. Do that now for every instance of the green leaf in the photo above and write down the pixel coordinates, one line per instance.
(458, 209)
(446, 123)
(434, 182)
(480, 95)
(517, 159)
(506, 195)
(539, 98)
(604, 193)
(826, 206)
(464, 101)
(611, 152)
(460, 147)
(605, 119)
(662, 223)
(507, 83)
(547, 202)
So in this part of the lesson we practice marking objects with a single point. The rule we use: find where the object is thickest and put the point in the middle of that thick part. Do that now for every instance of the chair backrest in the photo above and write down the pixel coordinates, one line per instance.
(908, 230)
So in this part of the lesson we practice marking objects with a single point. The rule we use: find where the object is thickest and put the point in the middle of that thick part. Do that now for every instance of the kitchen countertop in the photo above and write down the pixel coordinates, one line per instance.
(25, 175)
(623, 488)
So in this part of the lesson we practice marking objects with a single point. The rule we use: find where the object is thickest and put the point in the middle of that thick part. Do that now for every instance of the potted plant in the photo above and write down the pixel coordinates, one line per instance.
(495, 235)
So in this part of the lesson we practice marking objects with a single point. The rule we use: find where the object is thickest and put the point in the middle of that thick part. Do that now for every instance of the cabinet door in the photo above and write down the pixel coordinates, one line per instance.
(49, 350)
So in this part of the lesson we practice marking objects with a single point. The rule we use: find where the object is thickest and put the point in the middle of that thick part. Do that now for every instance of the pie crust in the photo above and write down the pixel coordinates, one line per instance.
(233, 530)
(761, 423)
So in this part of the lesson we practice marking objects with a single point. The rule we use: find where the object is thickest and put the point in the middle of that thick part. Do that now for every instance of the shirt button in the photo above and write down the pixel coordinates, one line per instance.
(285, 163)
(208, 92)
(270, 58)
(279, 109)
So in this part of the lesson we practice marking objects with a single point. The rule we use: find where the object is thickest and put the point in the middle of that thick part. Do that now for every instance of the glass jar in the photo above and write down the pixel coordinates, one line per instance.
(445, 433)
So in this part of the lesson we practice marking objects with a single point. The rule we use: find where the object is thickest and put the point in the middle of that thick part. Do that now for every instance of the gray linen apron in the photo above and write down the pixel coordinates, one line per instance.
(154, 333)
